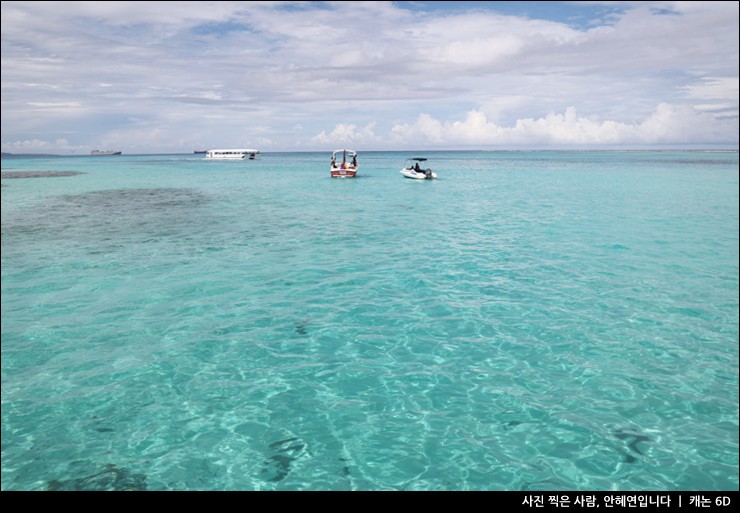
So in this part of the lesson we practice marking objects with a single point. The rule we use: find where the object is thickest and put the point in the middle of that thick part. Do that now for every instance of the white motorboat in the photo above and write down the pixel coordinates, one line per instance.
(412, 169)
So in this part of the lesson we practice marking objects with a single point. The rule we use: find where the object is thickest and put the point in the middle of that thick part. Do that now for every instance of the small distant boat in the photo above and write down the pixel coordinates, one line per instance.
(100, 153)
(232, 154)
(200, 151)
(413, 170)
(345, 168)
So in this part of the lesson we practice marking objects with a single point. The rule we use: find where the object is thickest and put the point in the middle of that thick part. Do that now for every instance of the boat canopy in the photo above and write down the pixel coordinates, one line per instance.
(411, 162)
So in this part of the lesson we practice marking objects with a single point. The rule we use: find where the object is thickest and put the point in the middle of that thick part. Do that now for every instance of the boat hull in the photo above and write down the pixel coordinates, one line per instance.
(343, 173)
(410, 173)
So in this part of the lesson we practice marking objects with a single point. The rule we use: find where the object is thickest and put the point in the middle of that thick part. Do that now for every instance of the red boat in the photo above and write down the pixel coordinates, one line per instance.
(345, 168)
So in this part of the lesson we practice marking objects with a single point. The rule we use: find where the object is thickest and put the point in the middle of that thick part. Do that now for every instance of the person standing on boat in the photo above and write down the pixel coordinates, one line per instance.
(354, 160)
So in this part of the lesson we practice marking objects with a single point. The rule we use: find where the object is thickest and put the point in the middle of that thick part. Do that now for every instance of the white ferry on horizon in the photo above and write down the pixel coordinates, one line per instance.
(99, 153)
(232, 154)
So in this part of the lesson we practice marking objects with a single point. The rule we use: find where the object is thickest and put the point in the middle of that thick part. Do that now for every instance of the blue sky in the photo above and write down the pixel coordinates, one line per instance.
(173, 77)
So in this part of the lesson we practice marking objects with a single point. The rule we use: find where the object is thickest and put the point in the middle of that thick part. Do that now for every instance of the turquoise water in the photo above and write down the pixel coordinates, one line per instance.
(528, 321)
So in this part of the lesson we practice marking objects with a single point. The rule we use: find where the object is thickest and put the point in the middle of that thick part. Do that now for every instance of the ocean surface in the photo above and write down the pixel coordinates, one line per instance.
(544, 320)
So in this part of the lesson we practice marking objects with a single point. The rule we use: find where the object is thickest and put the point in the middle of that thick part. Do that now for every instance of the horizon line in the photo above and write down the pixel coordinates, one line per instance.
(502, 150)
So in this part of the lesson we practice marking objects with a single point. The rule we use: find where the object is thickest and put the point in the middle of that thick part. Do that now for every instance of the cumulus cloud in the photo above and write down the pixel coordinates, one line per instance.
(668, 124)
(347, 134)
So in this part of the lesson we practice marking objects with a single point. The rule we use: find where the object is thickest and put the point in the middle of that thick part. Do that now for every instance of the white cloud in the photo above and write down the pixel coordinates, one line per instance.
(347, 134)
(668, 124)
(173, 76)
(714, 88)
(38, 146)
(52, 105)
